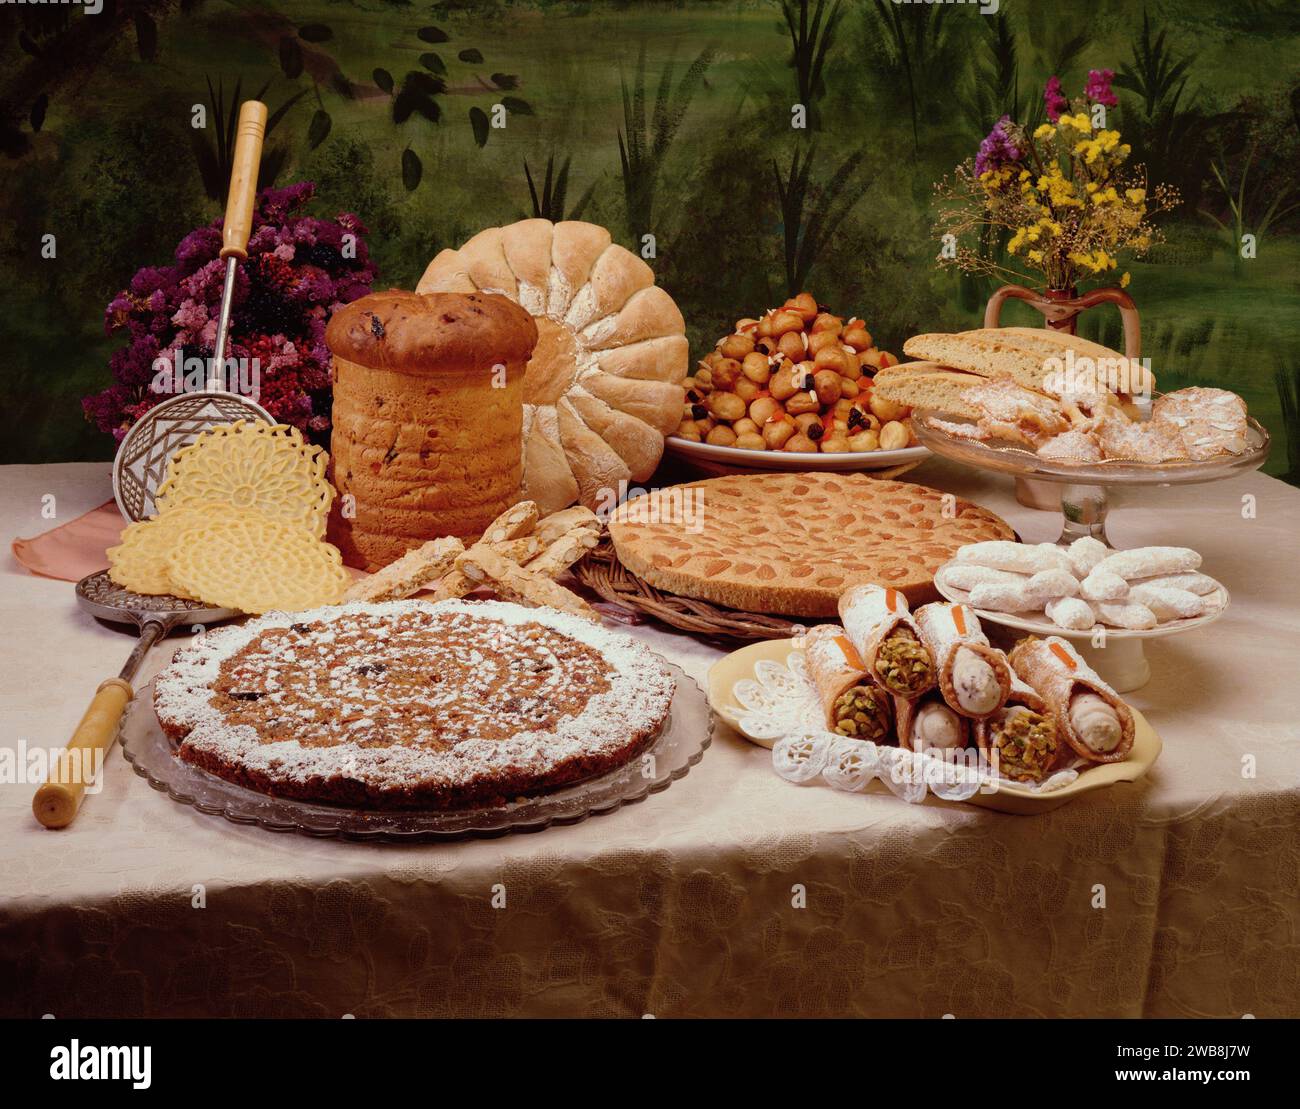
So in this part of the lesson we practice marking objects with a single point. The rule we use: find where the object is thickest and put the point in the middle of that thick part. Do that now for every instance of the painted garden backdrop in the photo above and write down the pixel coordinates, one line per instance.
(663, 118)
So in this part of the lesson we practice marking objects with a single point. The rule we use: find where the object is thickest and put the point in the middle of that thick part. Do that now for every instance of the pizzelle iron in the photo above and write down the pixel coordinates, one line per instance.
(141, 462)
(76, 766)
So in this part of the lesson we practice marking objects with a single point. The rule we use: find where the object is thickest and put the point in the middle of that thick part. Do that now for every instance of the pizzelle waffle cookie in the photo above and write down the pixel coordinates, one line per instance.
(792, 543)
(247, 464)
(140, 561)
(246, 560)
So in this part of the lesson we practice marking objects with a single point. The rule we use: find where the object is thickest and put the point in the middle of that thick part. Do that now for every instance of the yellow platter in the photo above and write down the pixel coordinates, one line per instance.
(1008, 798)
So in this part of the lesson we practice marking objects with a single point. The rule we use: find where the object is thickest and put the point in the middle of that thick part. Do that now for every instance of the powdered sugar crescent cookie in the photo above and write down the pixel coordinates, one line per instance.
(250, 464)
(248, 561)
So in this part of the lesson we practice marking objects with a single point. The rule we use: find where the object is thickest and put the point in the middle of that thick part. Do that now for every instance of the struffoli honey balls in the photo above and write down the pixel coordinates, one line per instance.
(797, 379)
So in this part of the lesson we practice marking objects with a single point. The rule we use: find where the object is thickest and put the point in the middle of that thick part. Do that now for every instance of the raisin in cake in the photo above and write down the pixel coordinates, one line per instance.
(407, 704)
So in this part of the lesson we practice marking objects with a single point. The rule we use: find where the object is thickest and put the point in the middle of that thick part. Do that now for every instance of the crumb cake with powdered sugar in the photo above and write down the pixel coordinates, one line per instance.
(413, 705)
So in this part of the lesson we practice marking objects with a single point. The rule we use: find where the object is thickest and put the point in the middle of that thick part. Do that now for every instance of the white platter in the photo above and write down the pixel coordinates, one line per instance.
(1115, 653)
(731, 459)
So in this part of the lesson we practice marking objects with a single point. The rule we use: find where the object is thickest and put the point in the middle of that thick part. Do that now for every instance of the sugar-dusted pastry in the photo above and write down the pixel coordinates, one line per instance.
(409, 705)
(882, 630)
(1126, 614)
(1021, 558)
(1211, 422)
(967, 576)
(1147, 562)
(1049, 584)
(1071, 612)
(1167, 602)
(854, 704)
(1136, 440)
(1091, 716)
(1193, 582)
(1010, 597)
(1020, 739)
(974, 678)
(1103, 585)
(927, 722)
(1077, 446)
(1085, 553)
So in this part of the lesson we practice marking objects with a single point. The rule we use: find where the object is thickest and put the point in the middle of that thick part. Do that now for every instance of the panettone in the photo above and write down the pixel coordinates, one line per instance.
(428, 418)
(603, 386)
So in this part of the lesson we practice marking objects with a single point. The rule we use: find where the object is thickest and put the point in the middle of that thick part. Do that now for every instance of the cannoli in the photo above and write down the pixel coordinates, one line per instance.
(1071, 612)
(854, 705)
(1102, 585)
(1167, 601)
(973, 677)
(1085, 553)
(1022, 558)
(1090, 715)
(887, 639)
(1148, 562)
(926, 723)
(1020, 739)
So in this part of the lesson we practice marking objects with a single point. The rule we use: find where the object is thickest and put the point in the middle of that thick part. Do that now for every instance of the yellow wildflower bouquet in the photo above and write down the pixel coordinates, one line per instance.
(1062, 200)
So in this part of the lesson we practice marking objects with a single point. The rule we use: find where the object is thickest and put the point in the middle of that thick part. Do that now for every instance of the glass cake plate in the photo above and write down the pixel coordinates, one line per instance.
(1084, 500)
(680, 744)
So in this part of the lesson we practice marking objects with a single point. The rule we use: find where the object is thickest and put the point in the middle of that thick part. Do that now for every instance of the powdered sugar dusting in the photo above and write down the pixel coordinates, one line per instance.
(356, 692)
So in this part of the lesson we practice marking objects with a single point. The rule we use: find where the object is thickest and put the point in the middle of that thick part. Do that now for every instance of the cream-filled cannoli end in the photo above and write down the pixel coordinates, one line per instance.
(1095, 722)
(936, 725)
(976, 685)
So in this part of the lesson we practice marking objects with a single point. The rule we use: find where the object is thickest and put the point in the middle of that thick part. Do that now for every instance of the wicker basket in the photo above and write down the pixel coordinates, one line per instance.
(602, 572)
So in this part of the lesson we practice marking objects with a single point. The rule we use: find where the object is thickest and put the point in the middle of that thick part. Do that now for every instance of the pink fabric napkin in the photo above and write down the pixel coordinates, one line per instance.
(75, 549)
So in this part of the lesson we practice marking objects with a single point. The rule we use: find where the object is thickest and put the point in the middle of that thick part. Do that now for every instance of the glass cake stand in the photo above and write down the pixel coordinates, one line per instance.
(1117, 654)
(1084, 486)
(680, 745)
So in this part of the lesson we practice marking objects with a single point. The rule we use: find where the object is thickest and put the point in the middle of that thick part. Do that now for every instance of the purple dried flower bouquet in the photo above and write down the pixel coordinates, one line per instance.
(299, 270)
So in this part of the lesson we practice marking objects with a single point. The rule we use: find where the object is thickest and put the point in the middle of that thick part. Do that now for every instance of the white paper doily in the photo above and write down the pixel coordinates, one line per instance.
(781, 704)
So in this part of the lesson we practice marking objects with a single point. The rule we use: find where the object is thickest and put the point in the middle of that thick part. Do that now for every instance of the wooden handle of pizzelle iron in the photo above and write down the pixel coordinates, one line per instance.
(243, 179)
(57, 801)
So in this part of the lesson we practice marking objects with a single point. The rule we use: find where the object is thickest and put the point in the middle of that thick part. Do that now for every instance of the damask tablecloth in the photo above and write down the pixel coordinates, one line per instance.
(733, 893)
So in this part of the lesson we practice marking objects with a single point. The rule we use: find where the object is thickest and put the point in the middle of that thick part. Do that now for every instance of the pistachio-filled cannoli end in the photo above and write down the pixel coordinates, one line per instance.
(859, 712)
(904, 664)
(936, 725)
(1025, 742)
(975, 683)
(1095, 722)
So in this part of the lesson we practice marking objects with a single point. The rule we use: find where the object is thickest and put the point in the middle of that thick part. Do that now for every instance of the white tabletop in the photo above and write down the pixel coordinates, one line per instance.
(692, 889)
